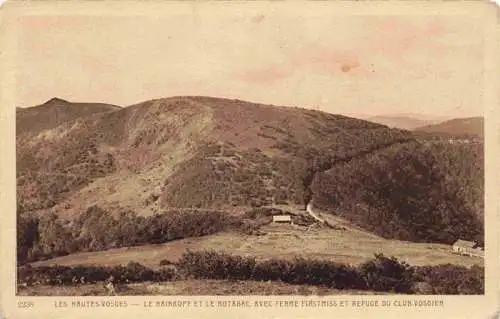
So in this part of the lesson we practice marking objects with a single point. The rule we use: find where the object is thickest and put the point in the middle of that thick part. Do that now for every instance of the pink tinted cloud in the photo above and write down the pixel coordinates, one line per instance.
(95, 64)
(267, 74)
(89, 59)
(44, 22)
(397, 37)
(258, 18)
(394, 39)
(329, 61)
(319, 60)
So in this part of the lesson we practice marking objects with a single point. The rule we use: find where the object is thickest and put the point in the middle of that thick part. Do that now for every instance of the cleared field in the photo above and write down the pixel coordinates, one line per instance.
(280, 241)
(190, 287)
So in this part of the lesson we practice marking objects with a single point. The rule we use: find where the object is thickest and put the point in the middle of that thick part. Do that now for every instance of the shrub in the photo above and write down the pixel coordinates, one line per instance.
(214, 265)
(27, 235)
(272, 269)
(164, 274)
(165, 262)
(62, 275)
(452, 279)
(387, 274)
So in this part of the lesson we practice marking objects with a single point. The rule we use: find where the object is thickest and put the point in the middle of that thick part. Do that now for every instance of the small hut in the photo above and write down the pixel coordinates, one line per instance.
(282, 219)
(468, 248)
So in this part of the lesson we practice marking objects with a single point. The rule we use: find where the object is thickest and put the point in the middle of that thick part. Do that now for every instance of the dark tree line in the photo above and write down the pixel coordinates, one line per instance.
(63, 275)
(381, 273)
(97, 229)
(384, 274)
(410, 191)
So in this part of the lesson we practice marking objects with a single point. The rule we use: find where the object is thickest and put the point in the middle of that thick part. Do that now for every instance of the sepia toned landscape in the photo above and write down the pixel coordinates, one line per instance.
(229, 150)
(205, 195)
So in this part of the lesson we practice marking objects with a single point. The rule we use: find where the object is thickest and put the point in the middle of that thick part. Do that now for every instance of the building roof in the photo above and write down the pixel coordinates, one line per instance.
(465, 243)
(282, 218)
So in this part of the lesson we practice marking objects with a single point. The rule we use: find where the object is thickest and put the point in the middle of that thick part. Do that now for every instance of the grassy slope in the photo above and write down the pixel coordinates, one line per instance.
(117, 157)
(346, 246)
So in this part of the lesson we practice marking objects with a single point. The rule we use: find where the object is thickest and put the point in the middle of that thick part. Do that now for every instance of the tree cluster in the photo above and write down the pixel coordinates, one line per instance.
(411, 191)
(62, 275)
(380, 274)
(97, 229)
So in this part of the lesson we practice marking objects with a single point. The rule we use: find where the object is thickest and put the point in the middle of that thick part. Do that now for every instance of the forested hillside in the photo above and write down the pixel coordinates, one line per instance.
(201, 152)
(410, 191)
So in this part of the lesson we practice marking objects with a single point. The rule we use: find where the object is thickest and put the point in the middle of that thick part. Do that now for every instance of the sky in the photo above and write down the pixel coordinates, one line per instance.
(361, 65)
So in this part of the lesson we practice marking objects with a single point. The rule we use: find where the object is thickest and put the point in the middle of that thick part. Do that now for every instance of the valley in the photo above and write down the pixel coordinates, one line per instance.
(349, 246)
(104, 186)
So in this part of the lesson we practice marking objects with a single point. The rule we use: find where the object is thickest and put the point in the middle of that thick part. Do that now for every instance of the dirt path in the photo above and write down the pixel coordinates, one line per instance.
(340, 222)
(312, 214)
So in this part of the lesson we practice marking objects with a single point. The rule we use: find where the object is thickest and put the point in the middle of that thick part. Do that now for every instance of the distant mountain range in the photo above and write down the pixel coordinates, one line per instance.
(405, 122)
(470, 126)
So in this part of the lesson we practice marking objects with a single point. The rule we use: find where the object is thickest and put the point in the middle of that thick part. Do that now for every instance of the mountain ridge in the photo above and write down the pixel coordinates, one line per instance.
(207, 152)
(55, 111)
(472, 126)
(407, 122)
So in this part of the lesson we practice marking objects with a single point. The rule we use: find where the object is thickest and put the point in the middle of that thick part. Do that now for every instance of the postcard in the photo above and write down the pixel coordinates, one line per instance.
(199, 159)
